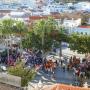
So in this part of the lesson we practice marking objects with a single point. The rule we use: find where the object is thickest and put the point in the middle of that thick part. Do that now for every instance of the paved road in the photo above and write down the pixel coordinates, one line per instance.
(60, 77)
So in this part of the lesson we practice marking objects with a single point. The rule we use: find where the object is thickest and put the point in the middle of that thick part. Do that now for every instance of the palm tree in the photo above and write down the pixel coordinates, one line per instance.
(43, 28)
(12, 27)
(6, 27)
(20, 29)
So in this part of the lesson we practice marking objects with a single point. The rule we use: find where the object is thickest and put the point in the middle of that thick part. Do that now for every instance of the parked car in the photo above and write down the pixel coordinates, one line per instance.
(3, 68)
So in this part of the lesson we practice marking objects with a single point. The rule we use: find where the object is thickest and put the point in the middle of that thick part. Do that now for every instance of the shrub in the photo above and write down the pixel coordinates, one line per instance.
(25, 74)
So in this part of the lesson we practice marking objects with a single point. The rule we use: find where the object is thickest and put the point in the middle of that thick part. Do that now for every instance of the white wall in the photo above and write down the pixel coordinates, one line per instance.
(82, 5)
(88, 21)
(56, 8)
(71, 23)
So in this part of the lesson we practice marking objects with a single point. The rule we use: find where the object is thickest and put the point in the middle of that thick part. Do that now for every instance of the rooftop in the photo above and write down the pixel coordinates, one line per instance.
(84, 26)
(64, 87)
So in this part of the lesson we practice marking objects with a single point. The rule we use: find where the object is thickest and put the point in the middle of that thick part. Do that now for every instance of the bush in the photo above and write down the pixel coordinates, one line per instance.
(25, 74)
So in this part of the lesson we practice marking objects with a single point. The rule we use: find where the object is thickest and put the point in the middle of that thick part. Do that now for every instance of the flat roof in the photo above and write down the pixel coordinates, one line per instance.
(84, 26)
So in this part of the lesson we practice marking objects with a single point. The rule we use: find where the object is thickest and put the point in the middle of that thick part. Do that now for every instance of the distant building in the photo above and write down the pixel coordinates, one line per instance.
(84, 30)
(82, 6)
(57, 8)
(71, 23)
(16, 15)
(88, 21)
(22, 16)
(9, 1)
(35, 3)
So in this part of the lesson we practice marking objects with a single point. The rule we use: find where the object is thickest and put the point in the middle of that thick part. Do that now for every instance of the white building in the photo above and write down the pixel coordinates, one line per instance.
(9, 1)
(71, 23)
(35, 3)
(82, 6)
(21, 16)
(88, 21)
(49, 1)
(17, 15)
(56, 7)
(28, 3)
(84, 30)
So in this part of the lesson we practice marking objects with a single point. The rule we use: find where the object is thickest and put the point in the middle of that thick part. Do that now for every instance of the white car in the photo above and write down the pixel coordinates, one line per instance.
(3, 68)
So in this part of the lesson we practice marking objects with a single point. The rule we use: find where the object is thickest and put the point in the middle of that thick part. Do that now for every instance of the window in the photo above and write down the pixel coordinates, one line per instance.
(57, 10)
(85, 33)
(82, 33)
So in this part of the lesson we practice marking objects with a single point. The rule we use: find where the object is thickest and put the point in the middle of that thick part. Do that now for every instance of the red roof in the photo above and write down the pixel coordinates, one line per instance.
(57, 16)
(84, 26)
(65, 87)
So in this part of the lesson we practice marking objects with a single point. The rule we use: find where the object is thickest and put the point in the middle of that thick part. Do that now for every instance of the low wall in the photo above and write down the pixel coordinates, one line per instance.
(10, 79)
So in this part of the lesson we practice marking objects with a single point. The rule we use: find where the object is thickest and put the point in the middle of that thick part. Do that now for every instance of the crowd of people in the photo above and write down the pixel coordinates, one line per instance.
(9, 57)
(33, 58)
(81, 68)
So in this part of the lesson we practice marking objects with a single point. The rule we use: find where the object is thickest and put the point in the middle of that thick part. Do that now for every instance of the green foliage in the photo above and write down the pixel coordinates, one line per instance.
(20, 28)
(81, 43)
(31, 41)
(44, 26)
(9, 26)
(43, 34)
(25, 74)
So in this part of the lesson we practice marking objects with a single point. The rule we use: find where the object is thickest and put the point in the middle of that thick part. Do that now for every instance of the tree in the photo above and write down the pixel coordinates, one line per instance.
(39, 37)
(43, 35)
(25, 74)
(32, 41)
(6, 30)
(60, 35)
(19, 28)
(85, 18)
(10, 27)
(80, 43)
(7, 25)
(43, 28)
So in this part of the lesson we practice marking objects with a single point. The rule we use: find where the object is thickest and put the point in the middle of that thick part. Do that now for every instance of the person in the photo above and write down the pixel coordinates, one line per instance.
(62, 60)
(78, 72)
(56, 62)
(70, 60)
(63, 66)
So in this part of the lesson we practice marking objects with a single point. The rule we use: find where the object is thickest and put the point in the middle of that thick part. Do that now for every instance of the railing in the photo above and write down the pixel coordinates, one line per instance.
(10, 79)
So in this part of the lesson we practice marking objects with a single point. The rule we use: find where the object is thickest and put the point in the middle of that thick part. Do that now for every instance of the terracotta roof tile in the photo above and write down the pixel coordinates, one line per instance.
(84, 26)
(65, 87)
(45, 17)
(57, 16)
